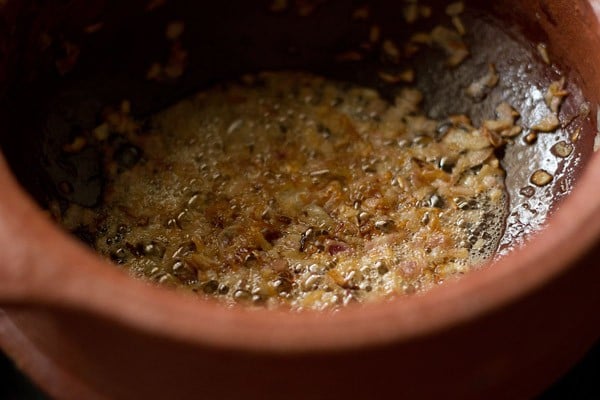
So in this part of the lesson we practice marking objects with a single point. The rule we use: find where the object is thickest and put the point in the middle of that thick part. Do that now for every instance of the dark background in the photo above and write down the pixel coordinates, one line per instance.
(581, 382)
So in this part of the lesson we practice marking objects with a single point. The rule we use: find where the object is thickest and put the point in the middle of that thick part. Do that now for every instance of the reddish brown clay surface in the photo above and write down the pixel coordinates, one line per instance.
(83, 330)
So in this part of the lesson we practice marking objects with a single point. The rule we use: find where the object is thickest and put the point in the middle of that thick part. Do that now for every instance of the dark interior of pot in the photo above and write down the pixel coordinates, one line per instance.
(64, 62)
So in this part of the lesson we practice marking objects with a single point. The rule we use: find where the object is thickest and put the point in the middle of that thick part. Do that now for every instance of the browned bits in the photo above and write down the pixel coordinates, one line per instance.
(555, 95)
(503, 127)
(531, 138)
(527, 191)
(480, 88)
(562, 149)
(411, 12)
(451, 42)
(547, 123)
(372, 183)
(117, 121)
(584, 109)
(405, 76)
(576, 135)
(421, 38)
(425, 11)
(390, 50)
(78, 143)
(541, 178)
(543, 52)
(455, 9)
(177, 61)
(374, 34)
(459, 26)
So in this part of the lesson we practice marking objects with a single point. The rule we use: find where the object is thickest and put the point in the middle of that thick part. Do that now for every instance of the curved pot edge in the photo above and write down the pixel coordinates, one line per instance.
(116, 296)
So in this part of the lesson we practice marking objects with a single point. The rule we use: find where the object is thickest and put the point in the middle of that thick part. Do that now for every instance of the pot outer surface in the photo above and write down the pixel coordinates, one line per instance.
(511, 351)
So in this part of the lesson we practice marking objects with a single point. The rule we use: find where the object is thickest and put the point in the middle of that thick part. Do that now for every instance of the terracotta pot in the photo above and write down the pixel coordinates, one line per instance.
(81, 329)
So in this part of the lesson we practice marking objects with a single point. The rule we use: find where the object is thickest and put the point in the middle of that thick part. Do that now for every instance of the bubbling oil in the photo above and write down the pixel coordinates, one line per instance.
(291, 189)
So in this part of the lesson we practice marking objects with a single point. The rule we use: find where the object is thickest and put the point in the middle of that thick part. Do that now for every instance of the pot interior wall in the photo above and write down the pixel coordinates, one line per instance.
(59, 77)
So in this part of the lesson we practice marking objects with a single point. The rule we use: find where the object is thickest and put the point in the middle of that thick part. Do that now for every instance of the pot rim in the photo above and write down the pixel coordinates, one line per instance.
(31, 268)
(47, 268)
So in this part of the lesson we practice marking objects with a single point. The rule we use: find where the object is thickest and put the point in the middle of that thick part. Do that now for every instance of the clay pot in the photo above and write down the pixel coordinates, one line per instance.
(81, 329)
